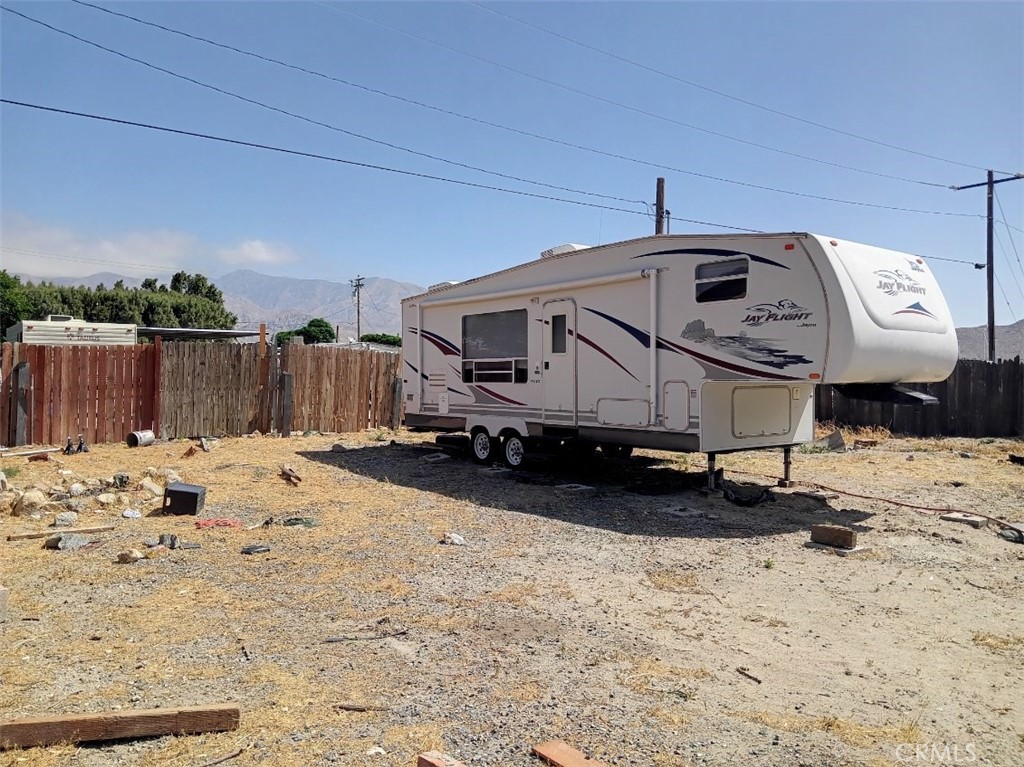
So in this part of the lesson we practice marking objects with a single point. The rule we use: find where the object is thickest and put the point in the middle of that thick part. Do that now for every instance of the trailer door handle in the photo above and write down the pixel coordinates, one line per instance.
(547, 365)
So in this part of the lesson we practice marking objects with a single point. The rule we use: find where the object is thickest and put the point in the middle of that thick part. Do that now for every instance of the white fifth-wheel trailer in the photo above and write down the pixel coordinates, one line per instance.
(673, 342)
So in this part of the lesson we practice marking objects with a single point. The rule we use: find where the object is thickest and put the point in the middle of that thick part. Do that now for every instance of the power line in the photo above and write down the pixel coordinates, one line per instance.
(354, 163)
(1007, 300)
(1009, 263)
(1009, 234)
(950, 260)
(1010, 226)
(620, 105)
(61, 257)
(311, 120)
(715, 91)
(529, 134)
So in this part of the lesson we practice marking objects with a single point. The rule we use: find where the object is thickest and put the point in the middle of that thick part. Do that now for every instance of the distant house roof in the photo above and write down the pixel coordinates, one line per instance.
(195, 334)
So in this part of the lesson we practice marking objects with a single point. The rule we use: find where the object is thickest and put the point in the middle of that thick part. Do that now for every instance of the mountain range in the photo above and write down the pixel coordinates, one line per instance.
(286, 303)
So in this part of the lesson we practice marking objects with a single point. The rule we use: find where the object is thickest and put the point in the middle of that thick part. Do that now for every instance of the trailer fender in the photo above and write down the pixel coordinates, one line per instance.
(495, 424)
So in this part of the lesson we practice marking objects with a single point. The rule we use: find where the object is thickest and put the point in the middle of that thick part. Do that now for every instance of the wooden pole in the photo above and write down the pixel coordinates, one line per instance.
(659, 205)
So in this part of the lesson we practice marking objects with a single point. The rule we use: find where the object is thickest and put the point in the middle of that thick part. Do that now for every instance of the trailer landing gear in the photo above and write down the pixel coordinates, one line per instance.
(715, 477)
(787, 467)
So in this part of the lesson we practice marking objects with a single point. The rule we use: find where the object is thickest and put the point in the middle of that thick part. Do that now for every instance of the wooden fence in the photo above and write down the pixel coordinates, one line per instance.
(188, 389)
(979, 399)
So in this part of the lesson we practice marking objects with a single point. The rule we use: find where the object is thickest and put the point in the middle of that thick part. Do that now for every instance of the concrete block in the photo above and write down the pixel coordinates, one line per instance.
(965, 519)
(834, 535)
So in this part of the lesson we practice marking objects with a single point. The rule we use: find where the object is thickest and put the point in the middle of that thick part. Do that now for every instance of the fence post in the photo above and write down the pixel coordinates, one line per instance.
(23, 378)
(287, 382)
(157, 385)
(396, 403)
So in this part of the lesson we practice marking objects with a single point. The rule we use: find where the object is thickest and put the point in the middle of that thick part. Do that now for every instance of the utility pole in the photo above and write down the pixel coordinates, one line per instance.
(357, 287)
(990, 183)
(659, 208)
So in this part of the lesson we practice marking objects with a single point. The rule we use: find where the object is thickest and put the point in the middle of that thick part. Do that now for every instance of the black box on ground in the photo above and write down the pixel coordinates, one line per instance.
(180, 498)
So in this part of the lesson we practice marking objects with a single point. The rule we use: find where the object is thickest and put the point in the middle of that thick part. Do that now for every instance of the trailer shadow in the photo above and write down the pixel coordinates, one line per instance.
(634, 496)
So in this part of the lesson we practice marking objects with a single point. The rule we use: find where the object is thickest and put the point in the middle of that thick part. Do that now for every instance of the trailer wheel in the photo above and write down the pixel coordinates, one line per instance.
(617, 451)
(513, 451)
(482, 445)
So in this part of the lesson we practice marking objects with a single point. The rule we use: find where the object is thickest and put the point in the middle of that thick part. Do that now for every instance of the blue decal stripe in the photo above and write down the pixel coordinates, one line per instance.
(715, 252)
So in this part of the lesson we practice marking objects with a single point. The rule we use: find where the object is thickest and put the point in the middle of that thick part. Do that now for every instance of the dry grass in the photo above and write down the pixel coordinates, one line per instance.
(676, 581)
(997, 643)
(649, 674)
(851, 733)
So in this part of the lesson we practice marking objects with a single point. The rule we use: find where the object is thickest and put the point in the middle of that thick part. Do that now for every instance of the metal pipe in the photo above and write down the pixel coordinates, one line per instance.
(653, 276)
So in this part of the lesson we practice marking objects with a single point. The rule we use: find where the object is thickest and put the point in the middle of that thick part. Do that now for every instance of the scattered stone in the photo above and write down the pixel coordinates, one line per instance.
(31, 503)
(76, 505)
(910, 457)
(66, 541)
(93, 483)
(121, 480)
(256, 548)
(151, 487)
(131, 513)
(4, 593)
(151, 542)
(66, 519)
(965, 454)
(169, 476)
(453, 539)
(107, 499)
(130, 556)
(124, 499)
(169, 540)
(337, 447)
(4, 486)
(376, 751)
(156, 551)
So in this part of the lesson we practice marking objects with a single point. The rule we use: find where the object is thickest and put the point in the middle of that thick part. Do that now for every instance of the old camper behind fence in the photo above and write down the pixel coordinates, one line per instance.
(676, 342)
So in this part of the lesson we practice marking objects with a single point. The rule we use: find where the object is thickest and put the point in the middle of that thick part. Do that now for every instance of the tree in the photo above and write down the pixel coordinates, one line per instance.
(385, 339)
(13, 303)
(316, 331)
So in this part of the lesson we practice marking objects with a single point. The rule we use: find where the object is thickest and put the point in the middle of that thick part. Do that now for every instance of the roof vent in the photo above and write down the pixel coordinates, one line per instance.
(59, 318)
(561, 250)
(439, 285)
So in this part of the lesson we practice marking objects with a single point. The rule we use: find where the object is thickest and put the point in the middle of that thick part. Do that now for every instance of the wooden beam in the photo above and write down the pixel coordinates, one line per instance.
(58, 530)
(561, 754)
(117, 725)
(834, 535)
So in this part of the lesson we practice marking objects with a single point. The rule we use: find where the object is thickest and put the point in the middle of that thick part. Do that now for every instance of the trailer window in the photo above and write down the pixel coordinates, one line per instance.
(558, 334)
(494, 347)
(721, 280)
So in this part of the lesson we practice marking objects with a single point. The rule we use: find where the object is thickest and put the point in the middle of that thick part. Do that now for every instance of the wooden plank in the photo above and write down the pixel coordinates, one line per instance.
(98, 373)
(48, 396)
(115, 725)
(834, 535)
(58, 530)
(287, 392)
(23, 402)
(6, 392)
(561, 754)
(156, 363)
(95, 430)
(67, 396)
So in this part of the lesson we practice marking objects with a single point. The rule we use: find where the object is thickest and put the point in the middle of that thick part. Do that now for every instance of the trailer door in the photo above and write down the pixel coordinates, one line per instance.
(558, 374)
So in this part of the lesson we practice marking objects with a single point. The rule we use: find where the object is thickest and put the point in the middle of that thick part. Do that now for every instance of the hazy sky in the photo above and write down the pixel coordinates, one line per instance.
(938, 79)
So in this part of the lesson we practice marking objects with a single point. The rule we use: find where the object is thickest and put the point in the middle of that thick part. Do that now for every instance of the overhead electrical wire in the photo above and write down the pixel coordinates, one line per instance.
(1009, 263)
(62, 257)
(715, 91)
(1007, 300)
(1009, 234)
(499, 126)
(620, 105)
(312, 121)
(354, 163)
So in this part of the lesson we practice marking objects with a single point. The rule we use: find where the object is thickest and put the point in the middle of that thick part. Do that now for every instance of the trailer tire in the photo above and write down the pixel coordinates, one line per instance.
(482, 446)
(617, 451)
(513, 450)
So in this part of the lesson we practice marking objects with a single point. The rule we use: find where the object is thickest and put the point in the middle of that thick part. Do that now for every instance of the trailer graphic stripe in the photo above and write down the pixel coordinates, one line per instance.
(425, 377)
(716, 252)
(640, 335)
(447, 347)
(594, 346)
(499, 397)
(727, 365)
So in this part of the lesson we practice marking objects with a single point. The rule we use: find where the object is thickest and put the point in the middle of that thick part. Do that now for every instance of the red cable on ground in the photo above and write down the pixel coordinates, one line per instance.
(927, 509)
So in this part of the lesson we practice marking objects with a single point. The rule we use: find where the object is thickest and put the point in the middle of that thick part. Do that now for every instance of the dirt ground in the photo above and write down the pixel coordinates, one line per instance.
(636, 619)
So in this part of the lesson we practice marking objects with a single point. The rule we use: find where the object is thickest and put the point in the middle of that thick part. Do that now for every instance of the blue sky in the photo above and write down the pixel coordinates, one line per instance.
(942, 79)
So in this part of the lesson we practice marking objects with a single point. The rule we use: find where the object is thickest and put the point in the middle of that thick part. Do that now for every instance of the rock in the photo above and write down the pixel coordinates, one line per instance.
(66, 541)
(93, 483)
(376, 751)
(76, 505)
(169, 476)
(4, 486)
(453, 539)
(77, 489)
(121, 480)
(966, 455)
(131, 513)
(151, 542)
(169, 540)
(833, 441)
(124, 499)
(31, 502)
(59, 497)
(151, 487)
(66, 519)
(127, 557)
(150, 471)
(107, 499)
(337, 447)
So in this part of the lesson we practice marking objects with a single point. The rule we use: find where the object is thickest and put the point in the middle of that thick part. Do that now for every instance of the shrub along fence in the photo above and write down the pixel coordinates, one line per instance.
(189, 389)
(979, 399)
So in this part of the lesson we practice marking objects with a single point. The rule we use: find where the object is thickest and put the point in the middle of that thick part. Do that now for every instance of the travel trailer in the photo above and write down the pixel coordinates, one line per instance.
(672, 342)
